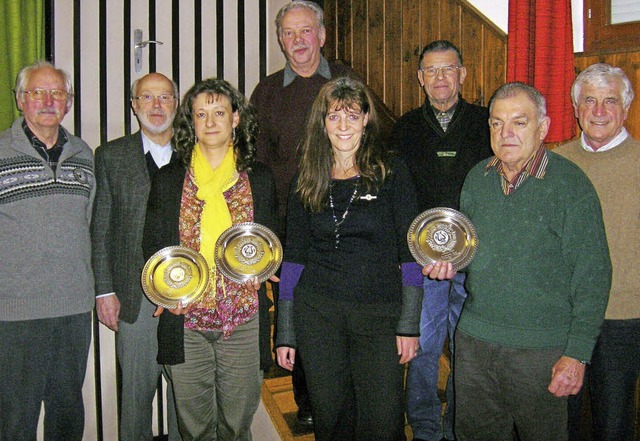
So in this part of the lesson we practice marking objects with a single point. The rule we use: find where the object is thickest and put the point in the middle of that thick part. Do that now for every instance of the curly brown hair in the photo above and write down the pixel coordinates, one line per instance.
(184, 135)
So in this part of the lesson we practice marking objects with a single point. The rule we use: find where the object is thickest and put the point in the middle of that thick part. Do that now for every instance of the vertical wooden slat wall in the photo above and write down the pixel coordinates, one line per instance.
(382, 40)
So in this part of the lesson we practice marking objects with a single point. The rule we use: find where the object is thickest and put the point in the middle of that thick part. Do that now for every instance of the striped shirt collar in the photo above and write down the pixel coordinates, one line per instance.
(536, 167)
(290, 75)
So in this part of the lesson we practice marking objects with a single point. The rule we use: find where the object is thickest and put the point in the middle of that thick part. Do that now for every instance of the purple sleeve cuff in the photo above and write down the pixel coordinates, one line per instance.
(412, 274)
(289, 276)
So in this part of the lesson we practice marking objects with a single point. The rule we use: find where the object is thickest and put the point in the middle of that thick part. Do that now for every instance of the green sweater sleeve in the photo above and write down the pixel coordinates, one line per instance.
(585, 250)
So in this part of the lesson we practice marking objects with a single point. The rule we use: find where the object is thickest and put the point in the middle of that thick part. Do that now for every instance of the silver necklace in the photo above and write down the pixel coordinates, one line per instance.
(336, 222)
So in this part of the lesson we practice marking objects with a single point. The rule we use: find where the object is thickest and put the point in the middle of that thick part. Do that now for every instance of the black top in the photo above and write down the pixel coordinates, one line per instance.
(439, 161)
(373, 240)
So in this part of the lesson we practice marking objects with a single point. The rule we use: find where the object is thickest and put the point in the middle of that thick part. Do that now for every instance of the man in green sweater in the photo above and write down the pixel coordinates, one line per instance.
(538, 285)
(602, 95)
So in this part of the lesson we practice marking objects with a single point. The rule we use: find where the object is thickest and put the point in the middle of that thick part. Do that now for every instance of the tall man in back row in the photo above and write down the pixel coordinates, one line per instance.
(609, 155)
(283, 101)
(124, 170)
(440, 142)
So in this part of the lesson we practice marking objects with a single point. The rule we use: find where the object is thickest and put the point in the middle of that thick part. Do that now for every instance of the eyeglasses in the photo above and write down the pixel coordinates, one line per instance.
(433, 71)
(164, 98)
(41, 94)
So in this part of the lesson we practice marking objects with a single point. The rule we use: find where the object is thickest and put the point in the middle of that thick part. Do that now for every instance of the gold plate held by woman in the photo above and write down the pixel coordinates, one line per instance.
(248, 250)
(442, 234)
(175, 275)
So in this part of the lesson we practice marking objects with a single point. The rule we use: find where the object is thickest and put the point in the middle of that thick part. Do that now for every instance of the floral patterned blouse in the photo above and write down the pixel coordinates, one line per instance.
(229, 304)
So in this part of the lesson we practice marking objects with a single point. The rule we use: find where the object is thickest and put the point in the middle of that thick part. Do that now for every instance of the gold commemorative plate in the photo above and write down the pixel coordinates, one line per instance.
(248, 250)
(175, 275)
(442, 234)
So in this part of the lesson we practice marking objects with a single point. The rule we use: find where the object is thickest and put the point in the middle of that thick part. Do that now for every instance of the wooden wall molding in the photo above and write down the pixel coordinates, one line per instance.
(382, 40)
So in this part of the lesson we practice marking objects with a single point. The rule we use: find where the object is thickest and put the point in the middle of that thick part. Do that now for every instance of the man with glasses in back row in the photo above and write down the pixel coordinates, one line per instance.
(440, 142)
(124, 170)
(47, 187)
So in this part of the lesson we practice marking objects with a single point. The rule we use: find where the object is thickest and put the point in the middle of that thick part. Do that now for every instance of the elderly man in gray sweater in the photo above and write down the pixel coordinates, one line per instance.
(46, 295)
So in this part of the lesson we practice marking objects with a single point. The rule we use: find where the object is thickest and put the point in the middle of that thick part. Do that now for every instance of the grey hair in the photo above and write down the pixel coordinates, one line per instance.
(25, 74)
(602, 75)
(440, 46)
(134, 87)
(298, 4)
(509, 90)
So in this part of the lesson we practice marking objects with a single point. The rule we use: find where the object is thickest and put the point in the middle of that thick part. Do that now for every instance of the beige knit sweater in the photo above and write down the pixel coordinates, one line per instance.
(615, 174)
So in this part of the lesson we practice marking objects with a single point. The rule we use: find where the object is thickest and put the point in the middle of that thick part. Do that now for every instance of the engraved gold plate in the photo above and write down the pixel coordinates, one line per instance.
(248, 250)
(442, 234)
(175, 275)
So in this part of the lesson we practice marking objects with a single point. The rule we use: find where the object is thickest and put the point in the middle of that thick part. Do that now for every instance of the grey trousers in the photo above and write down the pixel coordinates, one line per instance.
(137, 349)
(499, 389)
(217, 388)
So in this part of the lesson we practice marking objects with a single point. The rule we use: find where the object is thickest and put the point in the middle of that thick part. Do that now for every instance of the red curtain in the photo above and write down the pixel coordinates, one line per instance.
(540, 53)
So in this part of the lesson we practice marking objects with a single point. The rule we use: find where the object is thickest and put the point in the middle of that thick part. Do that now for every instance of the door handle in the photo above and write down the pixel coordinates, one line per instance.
(138, 45)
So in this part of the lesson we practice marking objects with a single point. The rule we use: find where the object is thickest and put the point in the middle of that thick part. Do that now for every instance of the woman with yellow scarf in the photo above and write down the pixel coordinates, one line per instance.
(212, 348)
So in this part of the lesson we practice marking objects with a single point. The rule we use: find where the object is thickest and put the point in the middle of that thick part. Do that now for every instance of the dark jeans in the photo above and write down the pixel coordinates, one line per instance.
(351, 361)
(43, 360)
(614, 371)
(499, 388)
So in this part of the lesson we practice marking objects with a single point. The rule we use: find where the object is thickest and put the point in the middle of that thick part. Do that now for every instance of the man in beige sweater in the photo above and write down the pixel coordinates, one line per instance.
(610, 156)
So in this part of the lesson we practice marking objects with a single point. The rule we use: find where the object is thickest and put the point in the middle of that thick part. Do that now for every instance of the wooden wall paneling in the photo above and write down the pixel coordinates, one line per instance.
(495, 64)
(472, 48)
(345, 15)
(360, 38)
(411, 46)
(382, 41)
(330, 44)
(429, 21)
(343, 46)
(376, 47)
(450, 21)
(393, 56)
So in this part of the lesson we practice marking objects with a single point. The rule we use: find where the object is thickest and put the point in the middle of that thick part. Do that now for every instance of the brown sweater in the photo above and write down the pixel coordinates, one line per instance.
(282, 117)
(615, 174)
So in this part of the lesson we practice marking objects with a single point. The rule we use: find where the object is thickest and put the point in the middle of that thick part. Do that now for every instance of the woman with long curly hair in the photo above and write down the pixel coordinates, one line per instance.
(211, 347)
(350, 291)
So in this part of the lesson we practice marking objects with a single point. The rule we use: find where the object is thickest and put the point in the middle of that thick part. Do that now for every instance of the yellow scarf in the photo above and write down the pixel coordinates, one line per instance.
(215, 217)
